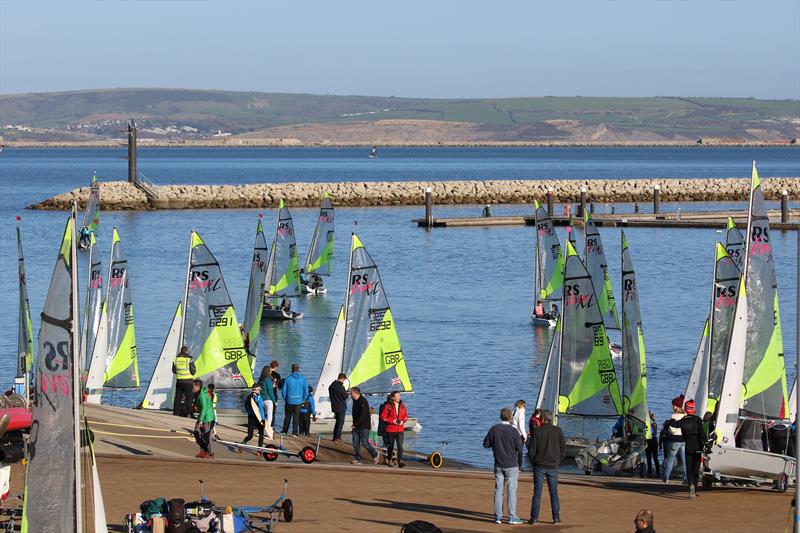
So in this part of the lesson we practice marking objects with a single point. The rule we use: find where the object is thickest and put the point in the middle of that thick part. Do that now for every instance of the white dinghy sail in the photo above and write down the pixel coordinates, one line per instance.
(160, 392)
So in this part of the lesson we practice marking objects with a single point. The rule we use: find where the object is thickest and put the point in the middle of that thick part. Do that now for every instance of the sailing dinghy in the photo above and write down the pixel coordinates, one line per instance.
(594, 258)
(283, 271)
(754, 384)
(255, 293)
(364, 344)
(91, 217)
(25, 333)
(320, 253)
(580, 381)
(549, 266)
(55, 498)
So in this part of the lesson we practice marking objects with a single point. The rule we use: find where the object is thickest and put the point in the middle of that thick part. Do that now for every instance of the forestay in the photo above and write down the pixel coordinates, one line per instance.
(255, 292)
(587, 378)
(161, 389)
(25, 332)
(549, 257)
(284, 273)
(320, 253)
(210, 329)
(634, 367)
(595, 259)
(122, 366)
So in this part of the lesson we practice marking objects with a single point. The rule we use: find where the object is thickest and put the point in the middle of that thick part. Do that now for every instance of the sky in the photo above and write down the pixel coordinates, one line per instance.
(414, 49)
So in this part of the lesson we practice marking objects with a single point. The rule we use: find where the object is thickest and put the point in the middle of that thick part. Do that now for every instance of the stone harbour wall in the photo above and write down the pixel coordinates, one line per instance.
(121, 195)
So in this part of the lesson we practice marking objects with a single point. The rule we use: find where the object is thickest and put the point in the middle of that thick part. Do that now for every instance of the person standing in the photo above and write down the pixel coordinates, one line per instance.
(361, 426)
(694, 437)
(548, 450)
(338, 398)
(672, 439)
(652, 448)
(254, 405)
(308, 410)
(518, 421)
(503, 439)
(205, 420)
(184, 369)
(374, 422)
(294, 390)
(395, 415)
(267, 385)
(277, 381)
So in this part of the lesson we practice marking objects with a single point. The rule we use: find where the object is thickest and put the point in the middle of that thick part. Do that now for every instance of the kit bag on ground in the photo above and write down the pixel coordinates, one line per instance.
(176, 516)
(420, 526)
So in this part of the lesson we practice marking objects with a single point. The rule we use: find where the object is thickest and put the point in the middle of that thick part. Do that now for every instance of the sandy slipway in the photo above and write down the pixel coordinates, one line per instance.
(121, 195)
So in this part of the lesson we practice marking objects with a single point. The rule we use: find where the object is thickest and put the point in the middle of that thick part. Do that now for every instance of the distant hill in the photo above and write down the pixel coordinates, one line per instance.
(181, 114)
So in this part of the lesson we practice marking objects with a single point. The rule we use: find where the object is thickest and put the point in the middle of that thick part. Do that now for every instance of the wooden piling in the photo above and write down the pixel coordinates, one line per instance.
(784, 206)
(550, 202)
(656, 199)
(582, 206)
(132, 171)
(428, 208)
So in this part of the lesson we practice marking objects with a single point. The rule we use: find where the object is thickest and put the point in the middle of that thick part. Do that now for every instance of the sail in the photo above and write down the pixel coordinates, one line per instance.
(634, 367)
(548, 391)
(161, 389)
(95, 376)
(50, 502)
(549, 257)
(697, 388)
(99, 510)
(93, 308)
(210, 329)
(285, 273)
(91, 217)
(320, 253)
(793, 401)
(765, 394)
(587, 381)
(255, 291)
(332, 366)
(734, 241)
(571, 234)
(373, 358)
(25, 333)
(122, 366)
(595, 259)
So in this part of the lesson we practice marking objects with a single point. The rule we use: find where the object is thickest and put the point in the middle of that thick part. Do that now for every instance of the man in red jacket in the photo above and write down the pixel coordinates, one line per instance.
(394, 415)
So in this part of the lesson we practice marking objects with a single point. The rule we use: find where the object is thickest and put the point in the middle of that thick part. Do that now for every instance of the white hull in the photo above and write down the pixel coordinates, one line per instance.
(543, 322)
(577, 444)
(324, 426)
(279, 314)
(740, 463)
(314, 292)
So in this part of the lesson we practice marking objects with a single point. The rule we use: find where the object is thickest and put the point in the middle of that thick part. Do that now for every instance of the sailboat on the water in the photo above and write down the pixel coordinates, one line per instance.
(255, 293)
(91, 216)
(580, 381)
(320, 253)
(549, 267)
(283, 270)
(364, 344)
(754, 390)
(373, 153)
(25, 332)
(55, 493)
(114, 363)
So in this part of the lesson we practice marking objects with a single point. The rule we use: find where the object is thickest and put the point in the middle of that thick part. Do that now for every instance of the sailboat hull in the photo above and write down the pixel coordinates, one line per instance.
(754, 465)
(543, 322)
(279, 314)
(308, 290)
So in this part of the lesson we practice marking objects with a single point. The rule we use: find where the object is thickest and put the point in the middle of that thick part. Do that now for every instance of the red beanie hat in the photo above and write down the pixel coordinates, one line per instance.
(689, 407)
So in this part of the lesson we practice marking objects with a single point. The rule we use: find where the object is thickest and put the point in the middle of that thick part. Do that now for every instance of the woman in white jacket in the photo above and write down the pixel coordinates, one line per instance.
(519, 421)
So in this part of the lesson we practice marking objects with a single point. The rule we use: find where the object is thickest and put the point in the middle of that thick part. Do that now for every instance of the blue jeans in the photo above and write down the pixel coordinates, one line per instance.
(539, 475)
(673, 450)
(502, 476)
(361, 438)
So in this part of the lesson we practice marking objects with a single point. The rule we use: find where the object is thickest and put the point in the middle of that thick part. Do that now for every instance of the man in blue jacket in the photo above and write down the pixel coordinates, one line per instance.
(294, 391)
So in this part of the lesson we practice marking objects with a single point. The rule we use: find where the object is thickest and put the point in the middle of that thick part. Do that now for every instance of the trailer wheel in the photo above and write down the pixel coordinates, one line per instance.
(270, 456)
(435, 459)
(308, 455)
(288, 510)
(782, 483)
(708, 482)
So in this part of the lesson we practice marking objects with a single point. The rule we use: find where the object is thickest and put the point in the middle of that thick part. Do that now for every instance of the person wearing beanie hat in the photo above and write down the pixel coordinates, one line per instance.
(694, 437)
(673, 439)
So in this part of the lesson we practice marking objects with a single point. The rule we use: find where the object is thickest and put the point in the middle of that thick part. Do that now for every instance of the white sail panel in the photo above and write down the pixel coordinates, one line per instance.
(161, 389)
(331, 368)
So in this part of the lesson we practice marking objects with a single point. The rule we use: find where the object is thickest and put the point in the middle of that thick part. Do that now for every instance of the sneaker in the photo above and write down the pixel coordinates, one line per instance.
(356, 461)
(377, 460)
(692, 493)
(515, 521)
(401, 464)
(201, 455)
(209, 456)
(556, 520)
(531, 522)
(498, 520)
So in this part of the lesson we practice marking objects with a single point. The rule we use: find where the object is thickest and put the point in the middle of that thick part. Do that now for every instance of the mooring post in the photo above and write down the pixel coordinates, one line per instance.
(550, 202)
(132, 175)
(657, 199)
(591, 208)
(784, 206)
(636, 207)
(428, 208)
(582, 207)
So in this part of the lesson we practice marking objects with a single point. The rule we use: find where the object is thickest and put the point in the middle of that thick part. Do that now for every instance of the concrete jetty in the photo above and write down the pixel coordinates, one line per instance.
(121, 195)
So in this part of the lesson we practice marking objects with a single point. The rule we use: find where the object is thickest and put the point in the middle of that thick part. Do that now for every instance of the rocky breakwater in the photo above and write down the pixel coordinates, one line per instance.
(121, 195)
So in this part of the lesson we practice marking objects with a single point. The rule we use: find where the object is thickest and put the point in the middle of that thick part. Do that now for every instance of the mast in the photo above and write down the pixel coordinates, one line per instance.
(186, 294)
(76, 384)
(347, 294)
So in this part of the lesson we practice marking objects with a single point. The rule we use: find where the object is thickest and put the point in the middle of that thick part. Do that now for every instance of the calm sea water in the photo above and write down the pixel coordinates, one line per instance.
(462, 297)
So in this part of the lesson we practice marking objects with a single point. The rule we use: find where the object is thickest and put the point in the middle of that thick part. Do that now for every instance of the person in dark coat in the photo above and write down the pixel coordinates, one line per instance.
(361, 424)
(184, 369)
(548, 450)
(338, 396)
(652, 448)
(694, 435)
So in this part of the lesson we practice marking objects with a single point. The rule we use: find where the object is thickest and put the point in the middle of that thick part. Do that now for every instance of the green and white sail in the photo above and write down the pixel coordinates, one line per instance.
(122, 365)
(52, 503)
(93, 308)
(365, 344)
(284, 275)
(549, 257)
(595, 260)
(210, 329)
(634, 367)
(587, 378)
(320, 253)
(754, 383)
(25, 332)
(91, 216)
(734, 241)
(255, 291)
(160, 392)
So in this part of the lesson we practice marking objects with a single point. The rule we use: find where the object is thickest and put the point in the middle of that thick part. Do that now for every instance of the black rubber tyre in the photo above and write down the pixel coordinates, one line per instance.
(288, 510)
(783, 483)
(308, 455)
(708, 482)
(270, 457)
(436, 460)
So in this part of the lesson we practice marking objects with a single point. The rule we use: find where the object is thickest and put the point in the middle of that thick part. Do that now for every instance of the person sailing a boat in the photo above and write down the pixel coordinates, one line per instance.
(286, 304)
(539, 312)
(85, 237)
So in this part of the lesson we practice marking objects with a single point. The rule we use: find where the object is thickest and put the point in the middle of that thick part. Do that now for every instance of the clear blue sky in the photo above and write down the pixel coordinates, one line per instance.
(433, 49)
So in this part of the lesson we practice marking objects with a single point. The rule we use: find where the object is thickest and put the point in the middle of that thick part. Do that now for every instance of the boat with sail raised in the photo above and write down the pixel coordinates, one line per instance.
(549, 268)
(320, 252)
(283, 270)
